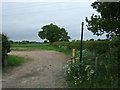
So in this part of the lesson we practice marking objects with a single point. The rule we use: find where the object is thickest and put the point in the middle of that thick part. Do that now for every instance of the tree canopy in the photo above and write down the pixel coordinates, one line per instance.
(53, 33)
(107, 21)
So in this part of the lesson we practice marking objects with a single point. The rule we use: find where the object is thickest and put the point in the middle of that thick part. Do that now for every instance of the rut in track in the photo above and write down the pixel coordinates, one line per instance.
(44, 70)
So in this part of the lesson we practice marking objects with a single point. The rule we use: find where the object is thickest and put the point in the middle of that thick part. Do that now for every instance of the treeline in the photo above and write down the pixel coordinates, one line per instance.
(26, 42)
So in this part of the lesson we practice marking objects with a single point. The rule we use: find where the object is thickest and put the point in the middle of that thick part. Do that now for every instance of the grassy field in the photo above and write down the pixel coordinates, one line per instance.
(27, 47)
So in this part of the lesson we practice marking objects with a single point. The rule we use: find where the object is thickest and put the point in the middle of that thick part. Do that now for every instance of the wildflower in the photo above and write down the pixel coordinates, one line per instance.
(92, 71)
(80, 81)
(87, 67)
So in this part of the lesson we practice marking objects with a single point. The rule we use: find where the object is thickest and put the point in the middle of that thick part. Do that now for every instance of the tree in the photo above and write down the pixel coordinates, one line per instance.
(53, 33)
(24, 42)
(107, 21)
(5, 48)
(45, 41)
(91, 39)
(11, 41)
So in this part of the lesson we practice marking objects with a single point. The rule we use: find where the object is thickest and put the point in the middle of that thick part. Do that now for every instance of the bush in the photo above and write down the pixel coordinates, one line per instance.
(5, 48)
(85, 76)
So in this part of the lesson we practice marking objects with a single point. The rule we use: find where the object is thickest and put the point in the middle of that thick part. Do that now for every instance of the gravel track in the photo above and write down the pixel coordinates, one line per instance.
(43, 70)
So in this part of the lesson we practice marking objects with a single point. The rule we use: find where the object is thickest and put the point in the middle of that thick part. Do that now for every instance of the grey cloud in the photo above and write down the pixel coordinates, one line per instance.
(24, 20)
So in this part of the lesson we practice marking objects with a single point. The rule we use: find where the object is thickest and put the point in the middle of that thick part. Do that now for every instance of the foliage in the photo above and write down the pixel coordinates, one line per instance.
(5, 48)
(84, 75)
(99, 47)
(45, 41)
(107, 21)
(5, 43)
(11, 41)
(53, 33)
(24, 42)
(15, 60)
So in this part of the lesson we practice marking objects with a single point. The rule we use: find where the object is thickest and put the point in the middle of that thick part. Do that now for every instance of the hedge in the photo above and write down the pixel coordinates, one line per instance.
(99, 47)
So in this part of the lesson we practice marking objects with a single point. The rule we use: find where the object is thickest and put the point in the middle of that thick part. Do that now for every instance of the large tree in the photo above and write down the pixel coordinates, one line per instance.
(108, 21)
(53, 33)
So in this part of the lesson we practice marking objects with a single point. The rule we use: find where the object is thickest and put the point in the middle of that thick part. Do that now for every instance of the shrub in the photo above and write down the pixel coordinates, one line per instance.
(5, 48)
(85, 76)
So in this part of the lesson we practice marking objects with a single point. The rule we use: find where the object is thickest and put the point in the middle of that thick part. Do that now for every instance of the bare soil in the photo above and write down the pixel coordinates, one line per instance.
(43, 70)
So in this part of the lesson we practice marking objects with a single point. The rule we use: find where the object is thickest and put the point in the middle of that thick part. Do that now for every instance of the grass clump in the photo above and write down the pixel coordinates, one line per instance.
(15, 60)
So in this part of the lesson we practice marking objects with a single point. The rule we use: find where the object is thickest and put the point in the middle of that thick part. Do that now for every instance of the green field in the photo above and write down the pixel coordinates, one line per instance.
(16, 60)
(29, 47)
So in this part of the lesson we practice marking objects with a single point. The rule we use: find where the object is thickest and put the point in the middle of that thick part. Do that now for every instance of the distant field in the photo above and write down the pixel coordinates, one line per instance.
(29, 47)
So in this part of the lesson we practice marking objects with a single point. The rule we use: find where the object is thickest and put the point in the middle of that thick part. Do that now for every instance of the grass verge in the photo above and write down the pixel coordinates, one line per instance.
(15, 60)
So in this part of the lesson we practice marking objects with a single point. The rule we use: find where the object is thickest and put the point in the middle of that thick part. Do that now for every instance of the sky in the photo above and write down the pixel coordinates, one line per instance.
(23, 20)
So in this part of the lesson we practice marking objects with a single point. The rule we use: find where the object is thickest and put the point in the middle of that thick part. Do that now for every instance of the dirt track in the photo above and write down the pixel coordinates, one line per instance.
(44, 70)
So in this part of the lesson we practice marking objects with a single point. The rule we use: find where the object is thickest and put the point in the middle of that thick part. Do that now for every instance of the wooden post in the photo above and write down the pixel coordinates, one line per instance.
(73, 55)
(96, 63)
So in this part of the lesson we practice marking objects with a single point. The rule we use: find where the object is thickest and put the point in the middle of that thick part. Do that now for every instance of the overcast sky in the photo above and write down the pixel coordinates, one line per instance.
(23, 20)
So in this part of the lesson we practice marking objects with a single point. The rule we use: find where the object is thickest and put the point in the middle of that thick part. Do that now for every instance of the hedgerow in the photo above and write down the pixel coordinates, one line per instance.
(86, 76)
(99, 47)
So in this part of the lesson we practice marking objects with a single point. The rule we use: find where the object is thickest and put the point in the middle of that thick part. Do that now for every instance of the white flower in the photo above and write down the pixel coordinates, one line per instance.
(69, 69)
(87, 67)
(80, 81)
(92, 71)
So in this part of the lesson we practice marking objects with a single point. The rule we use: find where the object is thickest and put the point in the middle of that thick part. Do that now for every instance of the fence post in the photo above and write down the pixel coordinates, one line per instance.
(81, 42)
(96, 63)
(73, 55)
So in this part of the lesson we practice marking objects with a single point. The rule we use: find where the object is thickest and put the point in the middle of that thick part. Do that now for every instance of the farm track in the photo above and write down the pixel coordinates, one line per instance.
(44, 70)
